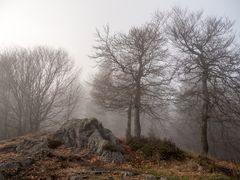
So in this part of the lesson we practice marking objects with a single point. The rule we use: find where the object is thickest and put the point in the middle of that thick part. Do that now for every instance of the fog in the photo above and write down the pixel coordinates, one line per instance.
(67, 31)
(72, 24)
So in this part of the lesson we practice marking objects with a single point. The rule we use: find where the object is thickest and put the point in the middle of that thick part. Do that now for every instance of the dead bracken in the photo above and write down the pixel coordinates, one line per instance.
(33, 158)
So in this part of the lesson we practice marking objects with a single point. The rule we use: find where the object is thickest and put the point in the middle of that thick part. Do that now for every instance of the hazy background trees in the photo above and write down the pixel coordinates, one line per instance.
(114, 92)
(37, 86)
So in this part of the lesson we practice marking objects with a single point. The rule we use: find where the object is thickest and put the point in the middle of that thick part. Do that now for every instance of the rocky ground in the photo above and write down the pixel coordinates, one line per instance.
(83, 149)
(64, 163)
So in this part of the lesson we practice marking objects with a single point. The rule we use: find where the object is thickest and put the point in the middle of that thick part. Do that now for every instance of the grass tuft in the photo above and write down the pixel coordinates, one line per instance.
(157, 149)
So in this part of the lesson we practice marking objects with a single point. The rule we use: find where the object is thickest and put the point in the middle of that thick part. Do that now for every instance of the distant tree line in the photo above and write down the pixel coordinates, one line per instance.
(182, 58)
(37, 86)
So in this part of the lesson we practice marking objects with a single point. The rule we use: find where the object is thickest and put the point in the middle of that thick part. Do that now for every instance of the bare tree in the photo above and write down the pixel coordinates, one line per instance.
(209, 59)
(113, 91)
(4, 102)
(140, 55)
(42, 84)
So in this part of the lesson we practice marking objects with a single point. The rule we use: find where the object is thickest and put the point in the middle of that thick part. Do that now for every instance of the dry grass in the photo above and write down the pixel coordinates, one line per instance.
(67, 161)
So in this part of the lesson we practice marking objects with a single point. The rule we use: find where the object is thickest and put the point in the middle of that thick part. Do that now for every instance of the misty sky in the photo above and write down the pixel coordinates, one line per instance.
(71, 24)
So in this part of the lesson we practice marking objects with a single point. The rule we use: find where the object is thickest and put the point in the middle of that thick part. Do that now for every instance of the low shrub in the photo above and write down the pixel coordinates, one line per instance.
(157, 149)
(207, 163)
(53, 144)
(113, 148)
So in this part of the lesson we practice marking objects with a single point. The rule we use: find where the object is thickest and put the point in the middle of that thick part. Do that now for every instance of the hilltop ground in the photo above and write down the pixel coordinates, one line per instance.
(70, 163)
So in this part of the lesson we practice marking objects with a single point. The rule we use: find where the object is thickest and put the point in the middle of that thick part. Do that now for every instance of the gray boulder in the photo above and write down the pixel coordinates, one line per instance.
(90, 134)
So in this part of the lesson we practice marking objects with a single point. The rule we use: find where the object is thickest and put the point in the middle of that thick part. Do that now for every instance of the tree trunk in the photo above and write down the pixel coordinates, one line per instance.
(205, 111)
(129, 122)
(19, 128)
(137, 106)
(5, 130)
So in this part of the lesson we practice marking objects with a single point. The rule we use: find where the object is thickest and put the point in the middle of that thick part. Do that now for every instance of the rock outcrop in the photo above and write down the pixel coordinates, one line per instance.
(90, 134)
(78, 134)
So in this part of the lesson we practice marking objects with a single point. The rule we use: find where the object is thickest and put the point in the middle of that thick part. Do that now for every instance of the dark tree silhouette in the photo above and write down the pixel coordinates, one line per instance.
(140, 56)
